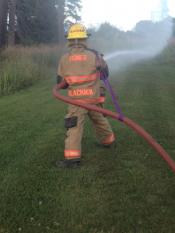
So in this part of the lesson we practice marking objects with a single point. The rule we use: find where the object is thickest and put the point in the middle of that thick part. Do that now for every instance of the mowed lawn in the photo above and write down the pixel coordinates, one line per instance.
(125, 189)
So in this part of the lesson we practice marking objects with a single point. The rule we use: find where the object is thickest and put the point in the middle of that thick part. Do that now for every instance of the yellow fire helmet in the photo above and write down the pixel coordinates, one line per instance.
(77, 31)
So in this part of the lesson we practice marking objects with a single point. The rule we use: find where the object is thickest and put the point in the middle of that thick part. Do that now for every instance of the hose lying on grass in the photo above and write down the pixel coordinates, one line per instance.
(131, 124)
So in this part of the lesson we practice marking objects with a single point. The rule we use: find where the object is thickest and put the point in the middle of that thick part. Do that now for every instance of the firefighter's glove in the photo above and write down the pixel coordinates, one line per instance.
(60, 80)
(102, 92)
(65, 86)
(104, 73)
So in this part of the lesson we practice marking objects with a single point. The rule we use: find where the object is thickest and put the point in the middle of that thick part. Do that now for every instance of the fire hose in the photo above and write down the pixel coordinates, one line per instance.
(131, 124)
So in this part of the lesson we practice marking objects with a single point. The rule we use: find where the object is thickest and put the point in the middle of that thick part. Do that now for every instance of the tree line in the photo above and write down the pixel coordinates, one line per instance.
(145, 35)
(45, 21)
(36, 21)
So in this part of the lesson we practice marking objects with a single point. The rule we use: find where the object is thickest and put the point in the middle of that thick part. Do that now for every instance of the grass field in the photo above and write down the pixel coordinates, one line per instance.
(125, 189)
(22, 67)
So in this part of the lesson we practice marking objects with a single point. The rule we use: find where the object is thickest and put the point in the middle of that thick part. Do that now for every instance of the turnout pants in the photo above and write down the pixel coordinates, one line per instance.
(74, 122)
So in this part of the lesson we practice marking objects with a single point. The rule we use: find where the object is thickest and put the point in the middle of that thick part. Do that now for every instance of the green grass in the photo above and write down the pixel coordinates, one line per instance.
(125, 189)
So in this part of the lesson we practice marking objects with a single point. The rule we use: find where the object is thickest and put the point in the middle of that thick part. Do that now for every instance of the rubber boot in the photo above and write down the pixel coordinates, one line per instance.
(71, 163)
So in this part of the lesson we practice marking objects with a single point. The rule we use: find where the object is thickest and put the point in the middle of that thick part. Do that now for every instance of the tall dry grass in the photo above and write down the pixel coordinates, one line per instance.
(21, 67)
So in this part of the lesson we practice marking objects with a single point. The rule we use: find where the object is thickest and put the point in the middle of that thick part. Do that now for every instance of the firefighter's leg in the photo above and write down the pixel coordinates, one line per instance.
(74, 123)
(102, 127)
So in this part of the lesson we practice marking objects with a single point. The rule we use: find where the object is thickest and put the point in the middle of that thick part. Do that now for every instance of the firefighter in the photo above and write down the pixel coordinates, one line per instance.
(80, 70)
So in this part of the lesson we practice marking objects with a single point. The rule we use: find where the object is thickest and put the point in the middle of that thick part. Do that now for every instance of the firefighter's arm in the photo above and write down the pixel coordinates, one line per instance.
(103, 67)
(60, 76)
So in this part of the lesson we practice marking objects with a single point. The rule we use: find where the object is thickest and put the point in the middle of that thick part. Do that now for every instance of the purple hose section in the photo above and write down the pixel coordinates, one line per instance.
(114, 98)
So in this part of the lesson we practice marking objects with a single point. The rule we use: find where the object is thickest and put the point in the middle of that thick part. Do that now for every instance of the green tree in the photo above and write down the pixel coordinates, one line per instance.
(107, 31)
(61, 18)
(68, 13)
(44, 21)
(72, 10)
(37, 21)
(3, 22)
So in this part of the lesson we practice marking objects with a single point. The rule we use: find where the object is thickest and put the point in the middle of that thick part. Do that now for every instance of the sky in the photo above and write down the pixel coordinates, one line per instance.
(123, 14)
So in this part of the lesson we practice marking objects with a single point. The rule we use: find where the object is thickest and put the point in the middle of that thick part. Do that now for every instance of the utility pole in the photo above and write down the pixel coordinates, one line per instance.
(61, 18)
(161, 12)
(12, 22)
(3, 22)
(164, 9)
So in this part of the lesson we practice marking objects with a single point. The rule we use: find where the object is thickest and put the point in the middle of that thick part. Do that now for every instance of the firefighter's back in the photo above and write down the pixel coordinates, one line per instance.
(79, 70)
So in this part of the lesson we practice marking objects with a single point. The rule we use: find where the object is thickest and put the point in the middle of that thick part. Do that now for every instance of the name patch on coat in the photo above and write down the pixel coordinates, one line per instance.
(78, 58)
(81, 92)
